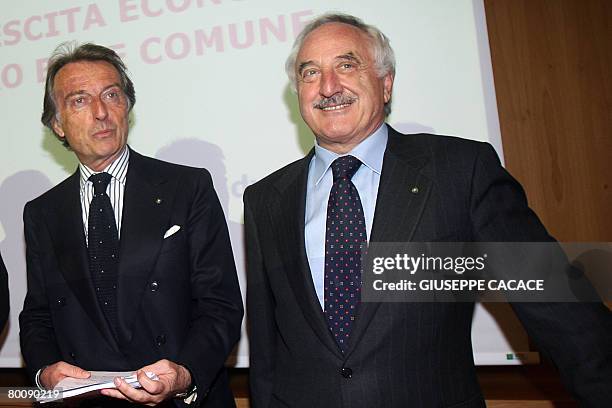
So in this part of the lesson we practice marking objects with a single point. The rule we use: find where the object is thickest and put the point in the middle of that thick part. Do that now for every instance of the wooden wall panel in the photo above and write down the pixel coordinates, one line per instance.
(552, 65)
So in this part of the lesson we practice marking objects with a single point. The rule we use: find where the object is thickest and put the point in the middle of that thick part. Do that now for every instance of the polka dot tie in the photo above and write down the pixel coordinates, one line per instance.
(345, 232)
(103, 247)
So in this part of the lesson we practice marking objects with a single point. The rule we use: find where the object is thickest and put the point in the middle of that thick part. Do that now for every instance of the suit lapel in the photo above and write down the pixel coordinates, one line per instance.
(146, 213)
(68, 237)
(402, 193)
(290, 228)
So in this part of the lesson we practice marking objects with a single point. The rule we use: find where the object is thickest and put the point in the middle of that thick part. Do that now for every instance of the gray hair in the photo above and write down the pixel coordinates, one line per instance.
(69, 52)
(384, 57)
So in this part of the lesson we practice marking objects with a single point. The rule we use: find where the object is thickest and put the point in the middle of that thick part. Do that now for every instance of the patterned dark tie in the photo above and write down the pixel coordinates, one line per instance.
(345, 232)
(103, 248)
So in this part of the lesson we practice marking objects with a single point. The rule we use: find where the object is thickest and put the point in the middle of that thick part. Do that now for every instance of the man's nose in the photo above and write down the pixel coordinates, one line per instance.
(100, 109)
(330, 83)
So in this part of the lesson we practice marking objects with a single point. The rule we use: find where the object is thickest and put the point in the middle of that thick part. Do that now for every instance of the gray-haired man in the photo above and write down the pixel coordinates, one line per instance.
(312, 342)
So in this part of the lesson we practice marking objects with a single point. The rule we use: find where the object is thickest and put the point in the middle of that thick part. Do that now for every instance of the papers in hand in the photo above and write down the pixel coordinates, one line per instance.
(71, 387)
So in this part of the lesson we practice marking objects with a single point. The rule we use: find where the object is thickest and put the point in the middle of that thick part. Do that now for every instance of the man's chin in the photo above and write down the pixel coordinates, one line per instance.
(338, 133)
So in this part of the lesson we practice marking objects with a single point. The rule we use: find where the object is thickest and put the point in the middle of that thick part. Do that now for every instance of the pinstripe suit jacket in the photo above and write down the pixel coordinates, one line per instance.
(178, 297)
(417, 355)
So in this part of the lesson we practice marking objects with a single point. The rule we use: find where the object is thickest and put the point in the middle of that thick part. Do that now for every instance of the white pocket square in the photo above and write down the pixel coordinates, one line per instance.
(173, 230)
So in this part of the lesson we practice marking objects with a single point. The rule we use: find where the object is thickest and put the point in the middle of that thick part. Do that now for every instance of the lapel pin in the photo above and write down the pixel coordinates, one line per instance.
(158, 201)
(415, 190)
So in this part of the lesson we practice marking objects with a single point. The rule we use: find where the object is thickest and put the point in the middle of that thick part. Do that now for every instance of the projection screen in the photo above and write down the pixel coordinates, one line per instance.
(212, 92)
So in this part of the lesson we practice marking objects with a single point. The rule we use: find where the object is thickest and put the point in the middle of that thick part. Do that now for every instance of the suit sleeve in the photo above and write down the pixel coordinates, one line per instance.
(217, 310)
(577, 337)
(38, 343)
(4, 295)
(260, 314)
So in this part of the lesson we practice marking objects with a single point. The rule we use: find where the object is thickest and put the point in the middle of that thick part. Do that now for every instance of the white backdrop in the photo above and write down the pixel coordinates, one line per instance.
(212, 92)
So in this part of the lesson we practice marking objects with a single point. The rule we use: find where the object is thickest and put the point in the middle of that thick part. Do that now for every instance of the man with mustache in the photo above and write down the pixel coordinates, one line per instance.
(312, 342)
(129, 261)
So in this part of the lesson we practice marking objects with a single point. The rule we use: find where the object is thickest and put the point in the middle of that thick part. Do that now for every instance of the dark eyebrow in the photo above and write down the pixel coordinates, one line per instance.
(73, 93)
(83, 92)
(349, 56)
(304, 65)
(111, 86)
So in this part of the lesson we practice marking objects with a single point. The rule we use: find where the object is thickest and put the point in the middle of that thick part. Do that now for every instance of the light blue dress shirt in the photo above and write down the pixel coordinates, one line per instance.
(320, 180)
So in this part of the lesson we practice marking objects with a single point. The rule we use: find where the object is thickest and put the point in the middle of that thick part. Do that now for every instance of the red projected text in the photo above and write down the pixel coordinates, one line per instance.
(130, 10)
(250, 33)
(51, 24)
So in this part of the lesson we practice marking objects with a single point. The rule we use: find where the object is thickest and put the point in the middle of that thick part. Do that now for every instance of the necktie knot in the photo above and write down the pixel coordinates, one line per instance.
(345, 167)
(100, 182)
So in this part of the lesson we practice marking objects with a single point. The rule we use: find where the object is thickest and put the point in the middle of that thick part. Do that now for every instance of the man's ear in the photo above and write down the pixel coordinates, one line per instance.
(57, 128)
(388, 87)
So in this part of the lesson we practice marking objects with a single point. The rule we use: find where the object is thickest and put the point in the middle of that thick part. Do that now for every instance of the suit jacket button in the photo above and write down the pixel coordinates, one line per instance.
(61, 301)
(160, 340)
(154, 286)
(72, 355)
(346, 372)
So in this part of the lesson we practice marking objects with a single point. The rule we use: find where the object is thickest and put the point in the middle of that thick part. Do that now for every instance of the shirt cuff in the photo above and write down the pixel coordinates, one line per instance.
(192, 397)
(37, 379)
(191, 394)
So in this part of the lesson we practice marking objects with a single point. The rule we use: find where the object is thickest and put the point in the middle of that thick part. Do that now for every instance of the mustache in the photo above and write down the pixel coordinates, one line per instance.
(334, 100)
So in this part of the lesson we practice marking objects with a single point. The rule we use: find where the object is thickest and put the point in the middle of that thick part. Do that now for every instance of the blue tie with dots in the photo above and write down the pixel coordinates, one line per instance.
(345, 232)
(103, 248)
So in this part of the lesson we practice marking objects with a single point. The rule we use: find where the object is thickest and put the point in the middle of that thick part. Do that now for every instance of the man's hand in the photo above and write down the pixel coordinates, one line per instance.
(173, 379)
(51, 375)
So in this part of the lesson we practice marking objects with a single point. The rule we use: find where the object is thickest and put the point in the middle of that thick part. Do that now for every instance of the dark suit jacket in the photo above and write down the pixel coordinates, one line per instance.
(4, 295)
(401, 354)
(178, 298)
